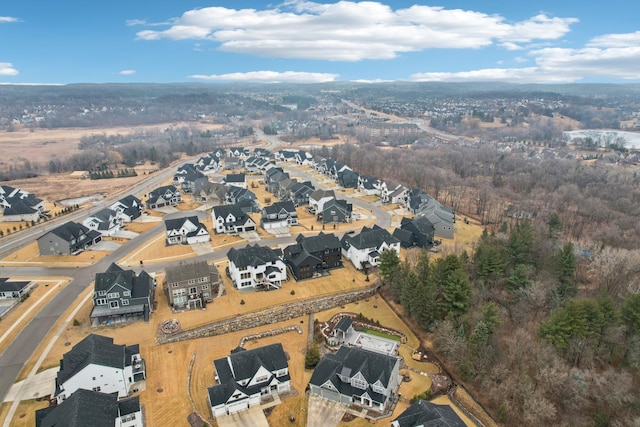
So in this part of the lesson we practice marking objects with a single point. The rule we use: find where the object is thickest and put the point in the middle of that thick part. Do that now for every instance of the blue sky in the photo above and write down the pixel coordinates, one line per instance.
(163, 41)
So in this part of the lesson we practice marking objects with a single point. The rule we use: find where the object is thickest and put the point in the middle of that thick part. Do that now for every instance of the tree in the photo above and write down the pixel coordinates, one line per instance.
(520, 244)
(389, 267)
(565, 266)
(554, 224)
(312, 358)
(457, 294)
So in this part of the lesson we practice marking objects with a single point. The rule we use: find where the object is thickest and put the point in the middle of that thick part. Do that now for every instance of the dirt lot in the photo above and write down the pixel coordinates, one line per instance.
(29, 256)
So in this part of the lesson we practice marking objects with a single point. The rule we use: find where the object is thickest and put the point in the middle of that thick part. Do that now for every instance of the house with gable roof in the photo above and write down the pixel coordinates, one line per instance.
(313, 255)
(235, 179)
(335, 210)
(364, 249)
(415, 232)
(128, 208)
(106, 222)
(369, 185)
(67, 239)
(92, 408)
(258, 267)
(20, 205)
(187, 231)
(357, 376)
(231, 219)
(122, 296)
(13, 289)
(246, 378)
(279, 215)
(97, 364)
(423, 413)
(318, 198)
(191, 285)
(348, 178)
(167, 195)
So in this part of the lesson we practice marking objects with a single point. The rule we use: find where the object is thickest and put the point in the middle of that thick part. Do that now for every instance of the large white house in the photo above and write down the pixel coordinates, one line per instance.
(97, 364)
(187, 230)
(318, 198)
(106, 222)
(257, 267)
(357, 376)
(230, 219)
(364, 249)
(248, 377)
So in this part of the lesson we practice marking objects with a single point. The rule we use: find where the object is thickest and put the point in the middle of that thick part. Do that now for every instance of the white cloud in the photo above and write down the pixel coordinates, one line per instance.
(618, 58)
(349, 31)
(8, 19)
(6, 69)
(127, 72)
(270, 77)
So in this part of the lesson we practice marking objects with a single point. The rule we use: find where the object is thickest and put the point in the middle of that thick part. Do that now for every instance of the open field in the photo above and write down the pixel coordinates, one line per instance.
(29, 256)
(23, 312)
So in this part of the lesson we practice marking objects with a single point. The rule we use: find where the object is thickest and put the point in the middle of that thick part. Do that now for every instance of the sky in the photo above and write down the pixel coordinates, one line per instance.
(296, 41)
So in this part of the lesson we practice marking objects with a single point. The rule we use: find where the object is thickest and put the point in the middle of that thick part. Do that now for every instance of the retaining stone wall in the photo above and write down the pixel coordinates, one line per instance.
(267, 316)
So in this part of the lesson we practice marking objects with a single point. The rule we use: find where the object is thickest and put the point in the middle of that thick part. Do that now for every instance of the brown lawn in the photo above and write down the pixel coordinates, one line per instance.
(25, 415)
(187, 203)
(140, 227)
(261, 192)
(41, 293)
(29, 256)
(156, 250)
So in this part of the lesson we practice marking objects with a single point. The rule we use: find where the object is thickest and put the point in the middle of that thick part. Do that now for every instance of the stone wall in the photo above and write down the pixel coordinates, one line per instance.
(268, 316)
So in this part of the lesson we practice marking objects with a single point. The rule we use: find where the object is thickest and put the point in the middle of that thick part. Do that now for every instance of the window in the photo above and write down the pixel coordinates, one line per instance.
(127, 418)
(101, 301)
(262, 379)
(174, 285)
(125, 302)
(114, 304)
(102, 293)
(193, 290)
(96, 389)
(245, 275)
(205, 287)
(126, 293)
(192, 281)
(113, 295)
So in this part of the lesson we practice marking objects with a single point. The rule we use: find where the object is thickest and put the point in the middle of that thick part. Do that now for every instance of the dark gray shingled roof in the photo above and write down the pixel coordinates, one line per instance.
(185, 271)
(139, 285)
(426, 414)
(6, 286)
(253, 255)
(94, 349)
(369, 238)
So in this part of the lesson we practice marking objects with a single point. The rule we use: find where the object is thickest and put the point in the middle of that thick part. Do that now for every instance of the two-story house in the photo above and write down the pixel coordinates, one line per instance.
(106, 222)
(364, 249)
(369, 185)
(313, 255)
(187, 231)
(258, 267)
(279, 215)
(121, 296)
(318, 198)
(423, 413)
(67, 239)
(231, 219)
(235, 179)
(357, 376)
(128, 208)
(92, 408)
(415, 232)
(167, 195)
(246, 378)
(97, 364)
(334, 210)
(191, 285)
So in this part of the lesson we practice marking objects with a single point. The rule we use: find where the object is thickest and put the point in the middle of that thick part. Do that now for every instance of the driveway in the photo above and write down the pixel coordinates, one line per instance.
(37, 386)
(126, 234)
(202, 248)
(323, 412)
(253, 417)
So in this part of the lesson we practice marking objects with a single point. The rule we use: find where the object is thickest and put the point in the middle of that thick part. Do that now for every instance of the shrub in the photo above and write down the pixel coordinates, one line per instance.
(241, 302)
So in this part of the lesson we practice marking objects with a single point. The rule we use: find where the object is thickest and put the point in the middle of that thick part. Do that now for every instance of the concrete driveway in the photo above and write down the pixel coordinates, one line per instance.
(37, 386)
(323, 412)
(253, 417)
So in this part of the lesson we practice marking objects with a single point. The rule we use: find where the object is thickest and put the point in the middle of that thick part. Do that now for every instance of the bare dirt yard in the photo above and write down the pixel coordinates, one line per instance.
(29, 256)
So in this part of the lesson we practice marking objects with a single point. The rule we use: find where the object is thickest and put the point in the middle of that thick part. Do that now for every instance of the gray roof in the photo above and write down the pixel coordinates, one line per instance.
(139, 285)
(174, 224)
(186, 271)
(253, 255)
(6, 286)
(343, 324)
(225, 210)
(87, 408)
(94, 349)
(276, 207)
(319, 242)
(320, 193)
(427, 414)
(369, 238)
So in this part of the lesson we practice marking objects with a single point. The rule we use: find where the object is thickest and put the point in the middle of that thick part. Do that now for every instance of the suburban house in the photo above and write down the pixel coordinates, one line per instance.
(106, 222)
(299, 192)
(167, 195)
(274, 178)
(233, 163)
(313, 255)
(128, 208)
(337, 169)
(442, 217)
(348, 178)
(231, 219)
(286, 154)
(186, 176)
(187, 231)
(122, 296)
(242, 152)
(219, 152)
(208, 164)
(392, 192)
(13, 290)
(191, 285)
(364, 249)
(97, 364)
(279, 215)
(205, 191)
(335, 210)
(257, 267)
(251, 165)
(369, 185)
(318, 198)
(235, 195)
(423, 413)
(246, 378)
(20, 205)
(262, 153)
(325, 165)
(357, 376)
(303, 158)
(69, 238)
(235, 179)
(92, 408)
(415, 232)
